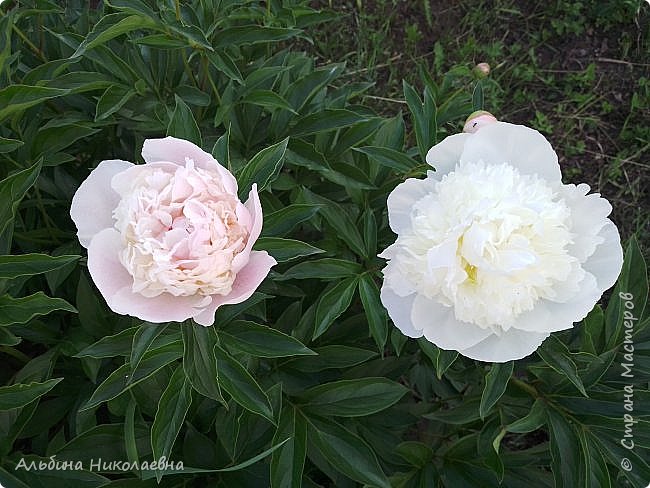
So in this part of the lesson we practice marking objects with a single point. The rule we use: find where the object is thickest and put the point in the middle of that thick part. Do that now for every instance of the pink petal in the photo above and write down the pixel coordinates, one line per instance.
(104, 265)
(254, 208)
(176, 150)
(114, 283)
(93, 203)
(246, 282)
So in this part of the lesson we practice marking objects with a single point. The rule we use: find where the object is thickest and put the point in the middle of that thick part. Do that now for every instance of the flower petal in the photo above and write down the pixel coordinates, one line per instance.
(522, 147)
(254, 208)
(401, 200)
(162, 308)
(441, 327)
(176, 150)
(399, 309)
(247, 281)
(114, 283)
(511, 345)
(588, 216)
(104, 264)
(551, 316)
(445, 155)
(93, 203)
(607, 260)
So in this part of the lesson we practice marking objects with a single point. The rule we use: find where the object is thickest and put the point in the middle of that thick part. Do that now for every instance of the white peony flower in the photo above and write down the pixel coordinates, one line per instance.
(493, 252)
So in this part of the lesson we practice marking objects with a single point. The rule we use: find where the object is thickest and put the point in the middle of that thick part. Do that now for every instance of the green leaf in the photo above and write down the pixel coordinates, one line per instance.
(16, 98)
(267, 99)
(557, 356)
(388, 157)
(161, 41)
(339, 219)
(478, 99)
(12, 190)
(375, 311)
(224, 63)
(263, 168)
(172, 409)
(462, 413)
(287, 463)
(8, 145)
(326, 120)
(13, 266)
(183, 124)
(110, 346)
(241, 386)
(142, 340)
(442, 359)
(19, 395)
(252, 34)
(496, 382)
(332, 357)
(112, 100)
(282, 221)
(221, 149)
(111, 26)
(324, 269)
(22, 310)
(285, 249)
(353, 398)
(121, 380)
(566, 451)
(199, 361)
(347, 453)
(416, 453)
(261, 341)
(332, 304)
(631, 291)
(534, 420)
(50, 140)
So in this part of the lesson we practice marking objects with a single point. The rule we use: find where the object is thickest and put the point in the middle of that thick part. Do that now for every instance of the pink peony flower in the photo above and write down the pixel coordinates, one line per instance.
(169, 240)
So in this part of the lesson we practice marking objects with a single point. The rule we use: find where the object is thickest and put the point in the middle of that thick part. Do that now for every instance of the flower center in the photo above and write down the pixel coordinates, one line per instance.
(182, 231)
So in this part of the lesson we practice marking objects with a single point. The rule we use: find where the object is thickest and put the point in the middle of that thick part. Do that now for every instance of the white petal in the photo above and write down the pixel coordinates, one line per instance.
(176, 150)
(401, 200)
(93, 203)
(607, 260)
(511, 345)
(549, 316)
(445, 155)
(399, 309)
(588, 216)
(522, 147)
(441, 327)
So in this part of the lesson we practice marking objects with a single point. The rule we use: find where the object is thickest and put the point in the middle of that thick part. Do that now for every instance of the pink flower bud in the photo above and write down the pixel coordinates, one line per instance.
(478, 119)
(481, 70)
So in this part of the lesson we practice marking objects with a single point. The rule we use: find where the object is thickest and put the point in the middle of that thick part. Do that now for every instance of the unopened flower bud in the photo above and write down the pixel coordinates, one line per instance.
(478, 119)
(481, 70)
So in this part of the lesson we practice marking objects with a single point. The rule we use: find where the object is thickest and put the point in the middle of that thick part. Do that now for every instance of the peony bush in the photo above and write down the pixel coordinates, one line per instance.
(191, 288)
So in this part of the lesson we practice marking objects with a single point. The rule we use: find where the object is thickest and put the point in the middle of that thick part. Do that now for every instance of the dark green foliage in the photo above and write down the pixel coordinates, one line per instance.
(307, 383)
